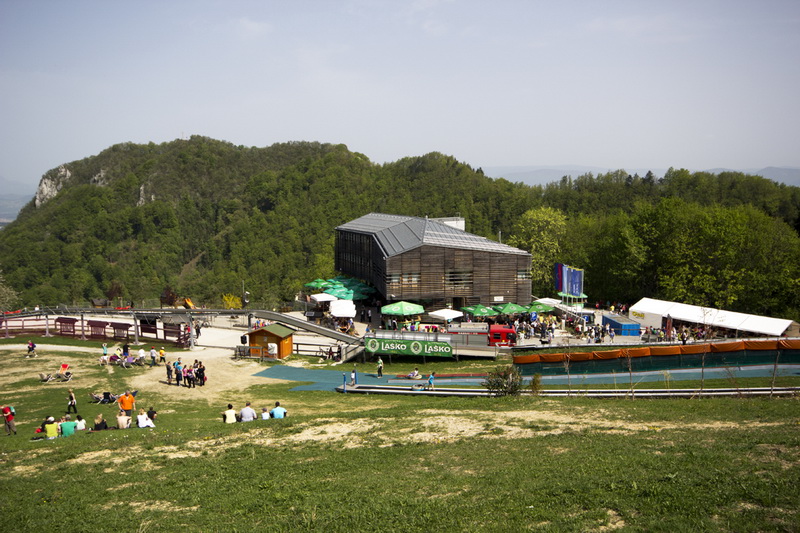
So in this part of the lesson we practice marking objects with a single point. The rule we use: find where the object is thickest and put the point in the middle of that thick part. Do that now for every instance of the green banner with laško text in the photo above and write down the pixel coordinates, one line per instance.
(401, 347)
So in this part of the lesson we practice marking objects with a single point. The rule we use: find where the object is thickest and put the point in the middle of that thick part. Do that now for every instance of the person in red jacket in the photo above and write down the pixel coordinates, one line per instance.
(8, 418)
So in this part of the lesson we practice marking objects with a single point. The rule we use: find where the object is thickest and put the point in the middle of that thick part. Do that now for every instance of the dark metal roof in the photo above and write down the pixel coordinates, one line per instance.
(397, 234)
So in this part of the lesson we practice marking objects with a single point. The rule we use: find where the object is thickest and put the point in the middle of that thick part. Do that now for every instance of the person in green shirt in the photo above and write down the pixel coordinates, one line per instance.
(67, 426)
(380, 367)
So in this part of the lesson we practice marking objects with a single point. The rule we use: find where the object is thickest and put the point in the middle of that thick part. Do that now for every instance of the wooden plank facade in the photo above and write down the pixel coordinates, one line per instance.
(408, 258)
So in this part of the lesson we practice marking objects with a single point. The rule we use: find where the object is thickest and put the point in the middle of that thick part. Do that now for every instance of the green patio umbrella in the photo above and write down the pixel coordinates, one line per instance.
(317, 284)
(402, 309)
(509, 309)
(538, 307)
(468, 309)
(481, 310)
(342, 293)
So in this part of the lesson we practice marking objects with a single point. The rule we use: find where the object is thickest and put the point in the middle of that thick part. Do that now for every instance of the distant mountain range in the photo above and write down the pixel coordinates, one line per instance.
(541, 175)
(10, 204)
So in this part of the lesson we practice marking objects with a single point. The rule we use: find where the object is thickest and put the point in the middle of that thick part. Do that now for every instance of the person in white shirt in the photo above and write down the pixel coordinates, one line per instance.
(248, 414)
(229, 416)
(143, 420)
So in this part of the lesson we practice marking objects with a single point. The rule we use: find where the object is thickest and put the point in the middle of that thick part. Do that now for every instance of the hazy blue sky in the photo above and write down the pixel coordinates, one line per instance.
(619, 84)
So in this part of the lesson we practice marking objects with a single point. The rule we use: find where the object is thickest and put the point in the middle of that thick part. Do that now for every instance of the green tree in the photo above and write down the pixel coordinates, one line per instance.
(540, 231)
(8, 296)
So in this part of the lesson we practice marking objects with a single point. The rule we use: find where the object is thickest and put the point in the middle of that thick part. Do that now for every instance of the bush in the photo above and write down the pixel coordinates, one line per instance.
(536, 384)
(504, 381)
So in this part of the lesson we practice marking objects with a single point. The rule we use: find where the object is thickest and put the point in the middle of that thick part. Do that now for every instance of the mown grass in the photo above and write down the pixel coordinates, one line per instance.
(374, 463)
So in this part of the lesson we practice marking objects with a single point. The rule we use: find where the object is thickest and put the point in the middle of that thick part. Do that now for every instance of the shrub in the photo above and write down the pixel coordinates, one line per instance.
(504, 381)
(536, 384)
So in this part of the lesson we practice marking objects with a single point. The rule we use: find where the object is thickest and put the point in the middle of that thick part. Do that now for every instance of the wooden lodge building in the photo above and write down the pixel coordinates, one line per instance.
(431, 261)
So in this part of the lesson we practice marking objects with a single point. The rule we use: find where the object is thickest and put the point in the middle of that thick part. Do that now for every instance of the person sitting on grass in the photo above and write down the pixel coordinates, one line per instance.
(123, 420)
(80, 423)
(278, 411)
(100, 423)
(248, 414)
(67, 426)
(143, 421)
(264, 413)
(50, 428)
(230, 416)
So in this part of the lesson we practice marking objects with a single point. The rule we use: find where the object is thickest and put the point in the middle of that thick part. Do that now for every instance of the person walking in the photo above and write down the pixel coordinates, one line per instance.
(8, 419)
(430, 385)
(169, 373)
(380, 367)
(72, 402)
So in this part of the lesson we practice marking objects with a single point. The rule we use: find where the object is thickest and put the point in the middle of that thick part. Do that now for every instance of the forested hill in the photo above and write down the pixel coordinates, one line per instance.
(202, 216)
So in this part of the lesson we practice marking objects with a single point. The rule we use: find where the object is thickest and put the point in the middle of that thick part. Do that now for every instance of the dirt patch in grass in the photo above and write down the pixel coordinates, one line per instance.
(615, 522)
(223, 373)
(107, 456)
(25, 470)
(784, 456)
(159, 505)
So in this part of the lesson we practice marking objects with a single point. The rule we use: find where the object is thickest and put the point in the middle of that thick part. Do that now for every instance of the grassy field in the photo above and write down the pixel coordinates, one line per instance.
(375, 463)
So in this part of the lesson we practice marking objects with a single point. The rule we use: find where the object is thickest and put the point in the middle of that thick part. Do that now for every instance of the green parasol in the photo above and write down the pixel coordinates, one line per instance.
(402, 309)
(538, 307)
(481, 310)
(509, 309)
(317, 284)
(340, 292)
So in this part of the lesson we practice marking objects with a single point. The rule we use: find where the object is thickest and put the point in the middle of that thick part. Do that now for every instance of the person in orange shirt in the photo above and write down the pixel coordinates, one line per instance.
(127, 402)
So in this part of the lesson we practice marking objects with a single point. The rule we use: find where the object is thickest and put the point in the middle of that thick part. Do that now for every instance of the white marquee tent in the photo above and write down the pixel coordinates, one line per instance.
(650, 312)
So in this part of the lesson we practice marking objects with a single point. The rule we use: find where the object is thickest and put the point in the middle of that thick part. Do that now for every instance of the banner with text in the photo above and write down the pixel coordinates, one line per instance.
(409, 347)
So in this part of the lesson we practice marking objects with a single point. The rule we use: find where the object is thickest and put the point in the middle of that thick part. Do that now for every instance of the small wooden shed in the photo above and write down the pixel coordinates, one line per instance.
(277, 334)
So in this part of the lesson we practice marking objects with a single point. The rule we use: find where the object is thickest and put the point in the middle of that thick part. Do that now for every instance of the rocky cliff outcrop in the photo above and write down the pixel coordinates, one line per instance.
(50, 184)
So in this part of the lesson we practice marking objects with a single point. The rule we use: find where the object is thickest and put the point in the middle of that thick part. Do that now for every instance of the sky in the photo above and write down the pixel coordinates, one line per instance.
(619, 84)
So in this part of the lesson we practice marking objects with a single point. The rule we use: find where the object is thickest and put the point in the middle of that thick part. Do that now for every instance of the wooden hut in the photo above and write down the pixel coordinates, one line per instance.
(421, 259)
(278, 334)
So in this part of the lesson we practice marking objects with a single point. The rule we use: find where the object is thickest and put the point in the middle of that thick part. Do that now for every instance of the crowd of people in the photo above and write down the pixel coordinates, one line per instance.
(249, 414)
(190, 375)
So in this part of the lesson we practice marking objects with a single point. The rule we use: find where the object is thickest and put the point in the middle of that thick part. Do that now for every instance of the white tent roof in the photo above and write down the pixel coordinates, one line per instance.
(343, 309)
(713, 317)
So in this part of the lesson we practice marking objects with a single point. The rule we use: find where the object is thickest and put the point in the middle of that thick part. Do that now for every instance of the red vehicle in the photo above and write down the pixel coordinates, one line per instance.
(496, 335)
(501, 335)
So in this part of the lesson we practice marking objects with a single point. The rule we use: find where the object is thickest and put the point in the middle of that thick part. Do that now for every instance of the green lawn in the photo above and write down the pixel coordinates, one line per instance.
(376, 463)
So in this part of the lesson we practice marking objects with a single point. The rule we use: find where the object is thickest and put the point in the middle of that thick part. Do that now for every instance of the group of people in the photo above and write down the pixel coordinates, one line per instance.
(144, 419)
(248, 414)
(191, 375)
(64, 427)
(429, 385)
(124, 358)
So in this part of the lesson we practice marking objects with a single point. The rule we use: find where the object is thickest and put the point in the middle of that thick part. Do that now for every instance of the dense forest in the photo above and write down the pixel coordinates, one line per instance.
(204, 216)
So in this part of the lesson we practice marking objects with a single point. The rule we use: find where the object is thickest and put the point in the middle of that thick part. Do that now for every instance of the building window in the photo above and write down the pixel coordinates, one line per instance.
(410, 279)
(458, 281)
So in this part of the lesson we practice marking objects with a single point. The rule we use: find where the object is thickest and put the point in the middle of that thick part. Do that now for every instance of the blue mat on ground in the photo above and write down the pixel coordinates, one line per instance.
(320, 379)
(330, 379)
